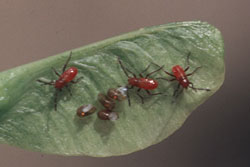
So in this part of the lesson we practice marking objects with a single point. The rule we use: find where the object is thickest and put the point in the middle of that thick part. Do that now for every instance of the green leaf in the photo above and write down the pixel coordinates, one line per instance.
(28, 119)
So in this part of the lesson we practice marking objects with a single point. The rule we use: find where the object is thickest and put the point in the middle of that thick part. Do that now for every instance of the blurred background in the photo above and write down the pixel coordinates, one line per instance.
(216, 134)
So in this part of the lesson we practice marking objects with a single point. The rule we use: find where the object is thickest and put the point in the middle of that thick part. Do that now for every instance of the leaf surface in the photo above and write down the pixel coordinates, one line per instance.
(28, 119)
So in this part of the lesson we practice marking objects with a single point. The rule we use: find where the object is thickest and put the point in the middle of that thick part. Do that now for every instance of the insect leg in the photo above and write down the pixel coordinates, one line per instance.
(169, 73)
(194, 71)
(154, 72)
(153, 94)
(144, 70)
(176, 91)
(45, 83)
(76, 81)
(164, 70)
(138, 94)
(173, 79)
(186, 68)
(129, 103)
(68, 89)
(187, 61)
(192, 86)
(55, 100)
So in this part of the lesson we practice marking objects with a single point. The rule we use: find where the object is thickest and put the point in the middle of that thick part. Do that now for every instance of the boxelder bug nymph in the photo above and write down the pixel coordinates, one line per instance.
(64, 79)
(180, 76)
(142, 83)
(108, 101)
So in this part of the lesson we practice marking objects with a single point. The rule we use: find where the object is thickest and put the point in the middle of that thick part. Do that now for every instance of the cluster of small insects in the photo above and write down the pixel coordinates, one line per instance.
(108, 101)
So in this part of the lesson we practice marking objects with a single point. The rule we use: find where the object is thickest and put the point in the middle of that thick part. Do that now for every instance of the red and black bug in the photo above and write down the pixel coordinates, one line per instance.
(66, 77)
(142, 82)
(108, 101)
(179, 74)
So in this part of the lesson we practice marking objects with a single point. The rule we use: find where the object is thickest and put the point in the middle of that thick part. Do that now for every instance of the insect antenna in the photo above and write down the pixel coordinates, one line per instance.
(55, 71)
(67, 62)
(125, 70)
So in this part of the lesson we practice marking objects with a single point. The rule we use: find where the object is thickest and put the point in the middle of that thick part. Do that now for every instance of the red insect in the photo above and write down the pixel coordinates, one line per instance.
(141, 83)
(64, 79)
(180, 75)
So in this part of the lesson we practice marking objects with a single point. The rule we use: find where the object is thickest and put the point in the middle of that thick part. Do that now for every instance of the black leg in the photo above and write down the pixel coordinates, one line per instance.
(129, 103)
(176, 91)
(187, 61)
(55, 100)
(138, 94)
(55, 72)
(144, 70)
(177, 95)
(154, 72)
(164, 70)
(169, 73)
(45, 83)
(76, 81)
(67, 62)
(191, 85)
(186, 68)
(194, 71)
(67, 87)
(173, 79)
(153, 94)
(131, 73)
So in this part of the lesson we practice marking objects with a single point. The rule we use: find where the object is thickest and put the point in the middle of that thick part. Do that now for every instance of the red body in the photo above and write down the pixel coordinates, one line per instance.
(66, 77)
(144, 83)
(180, 76)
